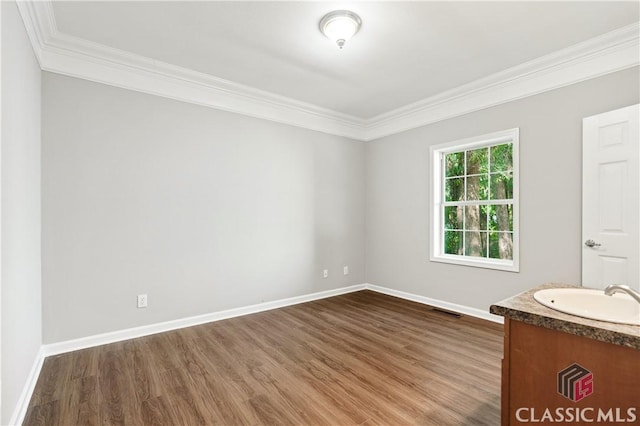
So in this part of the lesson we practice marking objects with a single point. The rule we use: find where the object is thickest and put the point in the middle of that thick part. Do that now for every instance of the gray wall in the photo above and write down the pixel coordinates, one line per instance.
(397, 178)
(205, 210)
(202, 210)
(21, 306)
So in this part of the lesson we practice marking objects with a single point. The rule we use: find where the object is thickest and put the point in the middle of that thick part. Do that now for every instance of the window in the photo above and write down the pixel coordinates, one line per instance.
(474, 201)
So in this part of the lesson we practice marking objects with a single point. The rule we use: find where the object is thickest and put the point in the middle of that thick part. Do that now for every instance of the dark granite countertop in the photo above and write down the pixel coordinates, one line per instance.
(523, 307)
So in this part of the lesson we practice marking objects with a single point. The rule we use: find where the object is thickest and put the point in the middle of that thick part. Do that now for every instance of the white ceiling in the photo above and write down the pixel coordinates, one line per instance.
(405, 51)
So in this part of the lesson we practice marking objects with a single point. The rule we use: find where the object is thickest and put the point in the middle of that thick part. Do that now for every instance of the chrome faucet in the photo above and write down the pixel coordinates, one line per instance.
(619, 288)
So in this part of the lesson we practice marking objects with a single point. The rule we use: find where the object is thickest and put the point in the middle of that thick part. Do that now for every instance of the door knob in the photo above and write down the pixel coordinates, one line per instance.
(591, 244)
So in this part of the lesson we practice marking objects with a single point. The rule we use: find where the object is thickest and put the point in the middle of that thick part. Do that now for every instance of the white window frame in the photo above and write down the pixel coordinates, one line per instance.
(436, 235)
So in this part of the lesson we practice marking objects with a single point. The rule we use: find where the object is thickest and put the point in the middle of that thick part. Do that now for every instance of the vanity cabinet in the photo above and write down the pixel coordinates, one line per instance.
(605, 384)
(562, 369)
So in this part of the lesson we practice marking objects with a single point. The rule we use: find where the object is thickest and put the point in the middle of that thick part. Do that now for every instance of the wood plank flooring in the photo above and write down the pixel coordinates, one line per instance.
(358, 359)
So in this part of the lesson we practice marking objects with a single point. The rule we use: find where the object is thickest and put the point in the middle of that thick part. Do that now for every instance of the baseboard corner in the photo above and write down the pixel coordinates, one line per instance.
(20, 410)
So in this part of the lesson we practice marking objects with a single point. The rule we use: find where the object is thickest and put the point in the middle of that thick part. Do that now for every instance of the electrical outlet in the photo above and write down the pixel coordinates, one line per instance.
(142, 301)
(325, 273)
(346, 270)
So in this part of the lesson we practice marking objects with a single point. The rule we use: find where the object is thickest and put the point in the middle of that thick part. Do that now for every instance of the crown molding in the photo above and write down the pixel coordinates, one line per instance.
(608, 53)
(64, 54)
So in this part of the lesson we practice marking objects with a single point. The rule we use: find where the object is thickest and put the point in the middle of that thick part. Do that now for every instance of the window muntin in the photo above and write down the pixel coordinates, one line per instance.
(474, 201)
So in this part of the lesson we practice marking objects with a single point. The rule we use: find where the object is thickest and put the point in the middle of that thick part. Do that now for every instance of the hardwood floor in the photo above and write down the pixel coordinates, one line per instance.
(357, 359)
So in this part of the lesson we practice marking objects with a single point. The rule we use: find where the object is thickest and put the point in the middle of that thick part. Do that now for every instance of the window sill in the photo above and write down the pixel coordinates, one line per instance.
(501, 265)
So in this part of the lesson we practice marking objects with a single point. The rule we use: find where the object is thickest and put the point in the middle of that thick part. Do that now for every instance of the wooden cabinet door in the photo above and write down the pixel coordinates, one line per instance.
(552, 375)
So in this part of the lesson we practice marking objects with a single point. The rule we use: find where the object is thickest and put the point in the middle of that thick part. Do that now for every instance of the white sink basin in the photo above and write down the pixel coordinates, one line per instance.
(593, 304)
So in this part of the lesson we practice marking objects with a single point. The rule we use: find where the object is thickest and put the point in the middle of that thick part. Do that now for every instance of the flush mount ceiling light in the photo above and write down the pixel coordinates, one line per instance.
(340, 26)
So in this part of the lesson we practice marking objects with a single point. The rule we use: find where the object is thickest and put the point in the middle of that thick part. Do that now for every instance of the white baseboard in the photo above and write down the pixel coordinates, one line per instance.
(461, 309)
(146, 330)
(25, 397)
(131, 333)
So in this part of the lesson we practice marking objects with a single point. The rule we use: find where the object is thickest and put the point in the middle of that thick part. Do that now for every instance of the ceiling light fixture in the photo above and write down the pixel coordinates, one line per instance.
(340, 25)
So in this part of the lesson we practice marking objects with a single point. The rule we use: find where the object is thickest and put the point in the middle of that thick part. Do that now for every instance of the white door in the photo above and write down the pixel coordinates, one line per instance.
(611, 199)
